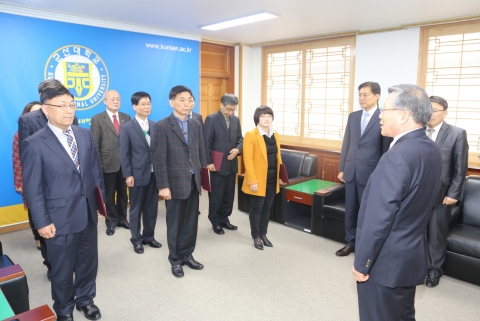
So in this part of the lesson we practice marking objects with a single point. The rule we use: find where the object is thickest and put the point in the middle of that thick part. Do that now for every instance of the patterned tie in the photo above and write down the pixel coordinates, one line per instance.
(116, 124)
(73, 148)
(430, 132)
(364, 123)
(227, 120)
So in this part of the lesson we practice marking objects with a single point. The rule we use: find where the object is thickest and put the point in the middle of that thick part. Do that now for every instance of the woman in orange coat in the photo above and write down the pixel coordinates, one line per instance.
(261, 155)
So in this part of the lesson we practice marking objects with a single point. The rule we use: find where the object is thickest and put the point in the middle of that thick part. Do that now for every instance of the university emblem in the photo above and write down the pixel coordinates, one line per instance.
(82, 71)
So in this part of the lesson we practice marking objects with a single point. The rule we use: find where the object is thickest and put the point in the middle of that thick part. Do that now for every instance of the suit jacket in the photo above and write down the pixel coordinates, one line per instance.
(56, 192)
(454, 148)
(135, 153)
(222, 139)
(360, 154)
(173, 158)
(391, 241)
(197, 117)
(256, 162)
(32, 122)
(106, 139)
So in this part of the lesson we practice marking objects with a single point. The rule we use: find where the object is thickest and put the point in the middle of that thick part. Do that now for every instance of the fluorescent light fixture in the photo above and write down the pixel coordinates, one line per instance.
(240, 21)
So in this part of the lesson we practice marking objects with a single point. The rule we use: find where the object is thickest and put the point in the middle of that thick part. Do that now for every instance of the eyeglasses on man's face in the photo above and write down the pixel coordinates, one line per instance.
(114, 99)
(64, 106)
(382, 110)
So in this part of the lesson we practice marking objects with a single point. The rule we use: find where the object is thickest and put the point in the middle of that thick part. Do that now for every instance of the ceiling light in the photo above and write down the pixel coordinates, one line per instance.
(240, 21)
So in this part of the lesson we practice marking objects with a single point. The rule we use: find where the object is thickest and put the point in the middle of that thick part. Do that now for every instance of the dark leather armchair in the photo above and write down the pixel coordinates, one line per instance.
(463, 242)
(329, 221)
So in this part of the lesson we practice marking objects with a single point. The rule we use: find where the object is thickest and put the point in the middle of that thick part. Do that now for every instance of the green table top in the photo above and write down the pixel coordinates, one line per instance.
(5, 309)
(311, 186)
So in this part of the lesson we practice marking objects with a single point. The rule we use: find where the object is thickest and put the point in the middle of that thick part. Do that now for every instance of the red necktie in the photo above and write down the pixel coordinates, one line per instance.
(116, 124)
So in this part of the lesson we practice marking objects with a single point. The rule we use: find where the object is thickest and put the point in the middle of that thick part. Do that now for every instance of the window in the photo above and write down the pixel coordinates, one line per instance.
(309, 86)
(450, 68)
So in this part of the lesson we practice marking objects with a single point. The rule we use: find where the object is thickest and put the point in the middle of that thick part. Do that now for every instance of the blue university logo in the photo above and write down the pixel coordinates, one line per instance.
(82, 71)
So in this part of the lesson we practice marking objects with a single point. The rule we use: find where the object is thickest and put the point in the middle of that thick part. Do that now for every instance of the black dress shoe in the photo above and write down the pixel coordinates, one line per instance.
(257, 243)
(177, 271)
(432, 281)
(193, 264)
(90, 311)
(218, 229)
(228, 226)
(124, 225)
(153, 244)
(110, 231)
(346, 250)
(67, 317)
(138, 248)
(265, 241)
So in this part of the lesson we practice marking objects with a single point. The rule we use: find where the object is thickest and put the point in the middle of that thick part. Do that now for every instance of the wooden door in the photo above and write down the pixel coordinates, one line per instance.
(211, 91)
(330, 166)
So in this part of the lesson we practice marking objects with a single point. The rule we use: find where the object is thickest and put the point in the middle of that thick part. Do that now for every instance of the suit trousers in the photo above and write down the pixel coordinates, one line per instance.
(353, 196)
(69, 255)
(36, 236)
(380, 303)
(260, 210)
(143, 204)
(220, 199)
(117, 211)
(182, 226)
(437, 232)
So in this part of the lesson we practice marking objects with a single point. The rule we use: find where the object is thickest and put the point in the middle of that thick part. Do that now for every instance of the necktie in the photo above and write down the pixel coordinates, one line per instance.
(364, 123)
(430, 132)
(116, 124)
(227, 120)
(73, 148)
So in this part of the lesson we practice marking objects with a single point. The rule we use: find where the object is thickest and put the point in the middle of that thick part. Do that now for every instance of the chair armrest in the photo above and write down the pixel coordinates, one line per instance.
(42, 313)
(333, 193)
(11, 272)
(455, 218)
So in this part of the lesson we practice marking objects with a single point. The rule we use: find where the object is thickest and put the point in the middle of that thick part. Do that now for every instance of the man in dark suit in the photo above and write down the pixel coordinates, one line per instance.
(61, 168)
(392, 250)
(362, 147)
(222, 133)
(105, 128)
(136, 159)
(178, 154)
(454, 148)
(193, 114)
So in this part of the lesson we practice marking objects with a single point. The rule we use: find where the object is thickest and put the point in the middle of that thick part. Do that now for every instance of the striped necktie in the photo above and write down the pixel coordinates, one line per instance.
(364, 123)
(73, 148)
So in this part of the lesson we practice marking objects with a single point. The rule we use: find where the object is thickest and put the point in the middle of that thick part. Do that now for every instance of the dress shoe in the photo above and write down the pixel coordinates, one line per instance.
(124, 225)
(228, 226)
(266, 242)
(110, 231)
(432, 281)
(90, 311)
(39, 247)
(153, 244)
(138, 248)
(67, 317)
(257, 243)
(177, 271)
(346, 250)
(194, 265)
(218, 229)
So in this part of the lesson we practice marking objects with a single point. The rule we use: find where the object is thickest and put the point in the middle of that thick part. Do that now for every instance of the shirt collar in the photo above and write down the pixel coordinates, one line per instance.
(370, 112)
(270, 131)
(396, 138)
(110, 114)
(437, 128)
(57, 131)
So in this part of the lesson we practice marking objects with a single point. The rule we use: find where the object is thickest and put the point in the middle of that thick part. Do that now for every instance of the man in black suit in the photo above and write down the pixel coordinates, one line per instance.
(454, 148)
(193, 114)
(222, 133)
(392, 250)
(362, 147)
(136, 159)
(61, 168)
(178, 154)
(105, 128)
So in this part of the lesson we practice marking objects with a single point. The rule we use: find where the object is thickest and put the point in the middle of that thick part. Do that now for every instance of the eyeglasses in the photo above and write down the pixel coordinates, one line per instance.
(265, 116)
(230, 109)
(64, 107)
(437, 111)
(382, 110)
(114, 99)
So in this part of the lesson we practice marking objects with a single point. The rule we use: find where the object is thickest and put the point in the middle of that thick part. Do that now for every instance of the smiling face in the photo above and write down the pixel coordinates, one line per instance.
(367, 99)
(59, 117)
(181, 104)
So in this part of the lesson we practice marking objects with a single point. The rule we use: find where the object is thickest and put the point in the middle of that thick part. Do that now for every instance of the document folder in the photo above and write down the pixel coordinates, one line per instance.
(206, 184)
(102, 210)
(217, 158)
(283, 174)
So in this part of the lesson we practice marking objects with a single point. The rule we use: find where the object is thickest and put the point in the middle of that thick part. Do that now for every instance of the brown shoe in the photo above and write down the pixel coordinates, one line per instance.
(346, 250)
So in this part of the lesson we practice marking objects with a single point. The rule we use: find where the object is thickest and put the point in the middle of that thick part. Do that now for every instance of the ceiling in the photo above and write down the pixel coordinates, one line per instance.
(299, 18)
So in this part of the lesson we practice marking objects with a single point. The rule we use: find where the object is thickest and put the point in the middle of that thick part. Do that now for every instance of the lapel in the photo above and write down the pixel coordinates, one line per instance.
(138, 129)
(261, 143)
(123, 118)
(54, 144)
(373, 120)
(176, 128)
(42, 119)
(223, 123)
(442, 134)
(80, 139)
(108, 121)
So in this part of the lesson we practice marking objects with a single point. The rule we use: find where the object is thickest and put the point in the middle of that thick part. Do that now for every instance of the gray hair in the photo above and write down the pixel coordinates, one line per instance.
(51, 82)
(229, 99)
(414, 99)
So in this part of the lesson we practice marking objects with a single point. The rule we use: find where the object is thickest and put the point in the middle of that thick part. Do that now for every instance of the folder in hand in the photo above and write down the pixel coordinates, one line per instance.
(206, 183)
(102, 210)
(217, 158)
(283, 174)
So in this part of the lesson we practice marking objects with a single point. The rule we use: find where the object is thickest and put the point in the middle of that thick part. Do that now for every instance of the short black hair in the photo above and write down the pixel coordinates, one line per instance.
(374, 87)
(439, 100)
(139, 95)
(48, 83)
(51, 92)
(177, 90)
(262, 110)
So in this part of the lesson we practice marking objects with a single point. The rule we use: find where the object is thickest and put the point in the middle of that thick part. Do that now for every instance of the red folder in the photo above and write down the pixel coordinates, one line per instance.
(283, 174)
(102, 210)
(217, 158)
(206, 185)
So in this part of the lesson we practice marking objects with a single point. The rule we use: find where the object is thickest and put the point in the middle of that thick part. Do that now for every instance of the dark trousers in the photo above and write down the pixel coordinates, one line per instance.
(260, 210)
(379, 303)
(437, 232)
(116, 210)
(182, 226)
(36, 236)
(353, 196)
(143, 203)
(69, 255)
(220, 199)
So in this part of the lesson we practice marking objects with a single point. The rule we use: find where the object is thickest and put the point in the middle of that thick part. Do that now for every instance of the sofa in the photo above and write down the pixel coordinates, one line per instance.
(329, 221)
